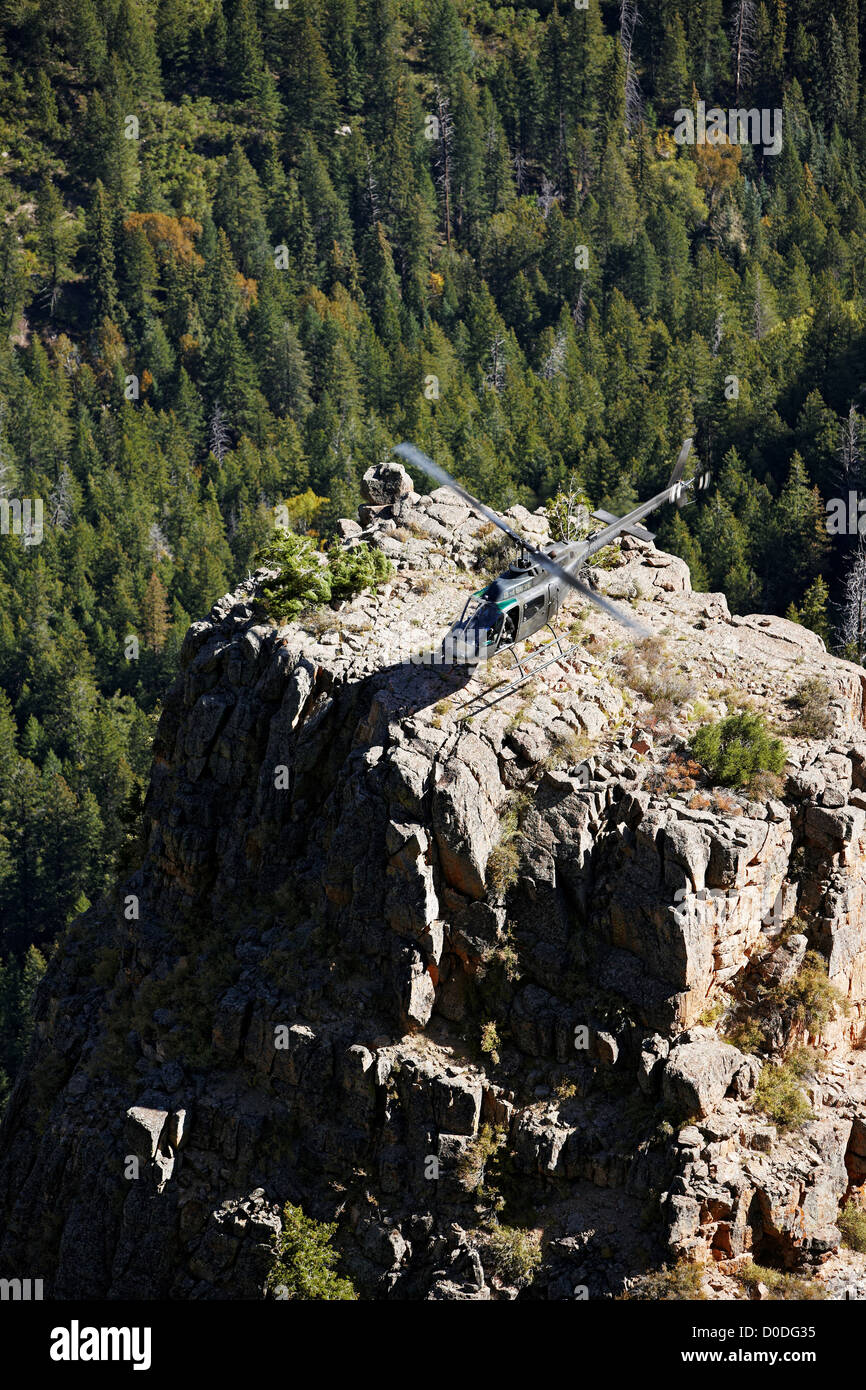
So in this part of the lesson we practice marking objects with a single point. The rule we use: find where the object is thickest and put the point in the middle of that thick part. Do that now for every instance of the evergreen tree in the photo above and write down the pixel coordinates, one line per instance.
(812, 613)
(673, 82)
(155, 614)
(310, 100)
(245, 46)
(100, 244)
(55, 239)
(238, 209)
(800, 541)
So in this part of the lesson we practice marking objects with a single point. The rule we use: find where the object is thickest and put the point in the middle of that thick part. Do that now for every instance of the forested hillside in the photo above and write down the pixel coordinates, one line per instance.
(246, 247)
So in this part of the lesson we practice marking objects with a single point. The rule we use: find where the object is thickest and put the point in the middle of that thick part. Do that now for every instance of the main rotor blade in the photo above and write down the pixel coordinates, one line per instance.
(680, 464)
(586, 592)
(422, 461)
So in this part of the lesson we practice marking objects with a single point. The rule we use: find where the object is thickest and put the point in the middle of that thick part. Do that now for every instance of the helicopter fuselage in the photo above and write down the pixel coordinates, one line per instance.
(514, 606)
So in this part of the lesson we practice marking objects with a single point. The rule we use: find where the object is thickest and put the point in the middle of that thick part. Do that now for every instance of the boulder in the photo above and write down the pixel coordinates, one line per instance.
(457, 1104)
(782, 964)
(697, 1075)
(466, 804)
(385, 483)
(143, 1129)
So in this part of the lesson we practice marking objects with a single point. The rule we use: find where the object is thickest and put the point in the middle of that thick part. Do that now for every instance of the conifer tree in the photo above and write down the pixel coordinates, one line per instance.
(673, 81)
(311, 100)
(245, 47)
(154, 613)
(100, 251)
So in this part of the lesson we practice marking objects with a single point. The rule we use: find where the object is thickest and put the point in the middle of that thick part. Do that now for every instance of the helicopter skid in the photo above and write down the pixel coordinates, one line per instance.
(528, 666)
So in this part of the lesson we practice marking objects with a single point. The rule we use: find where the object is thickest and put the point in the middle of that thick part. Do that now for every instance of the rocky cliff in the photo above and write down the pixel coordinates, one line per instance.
(433, 962)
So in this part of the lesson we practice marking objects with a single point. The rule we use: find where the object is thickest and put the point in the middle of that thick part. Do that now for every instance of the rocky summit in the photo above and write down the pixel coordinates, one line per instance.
(493, 978)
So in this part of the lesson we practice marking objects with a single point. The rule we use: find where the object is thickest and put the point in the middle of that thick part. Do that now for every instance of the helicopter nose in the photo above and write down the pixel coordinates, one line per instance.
(458, 649)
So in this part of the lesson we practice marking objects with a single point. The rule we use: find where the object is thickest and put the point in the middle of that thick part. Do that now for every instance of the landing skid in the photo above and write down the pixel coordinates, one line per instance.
(528, 666)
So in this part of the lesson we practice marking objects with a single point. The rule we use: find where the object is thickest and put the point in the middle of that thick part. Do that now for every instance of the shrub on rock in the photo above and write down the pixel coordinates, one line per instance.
(362, 567)
(305, 581)
(305, 1267)
(735, 749)
(815, 717)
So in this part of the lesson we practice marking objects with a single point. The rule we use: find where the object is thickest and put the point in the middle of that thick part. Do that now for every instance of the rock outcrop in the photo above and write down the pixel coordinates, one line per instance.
(388, 960)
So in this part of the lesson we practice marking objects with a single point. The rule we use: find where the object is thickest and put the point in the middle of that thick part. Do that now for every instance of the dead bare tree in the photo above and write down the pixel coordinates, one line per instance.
(763, 317)
(849, 453)
(555, 359)
(445, 133)
(373, 193)
(495, 378)
(519, 163)
(742, 45)
(628, 22)
(547, 197)
(567, 514)
(5, 470)
(578, 313)
(60, 501)
(219, 435)
(852, 626)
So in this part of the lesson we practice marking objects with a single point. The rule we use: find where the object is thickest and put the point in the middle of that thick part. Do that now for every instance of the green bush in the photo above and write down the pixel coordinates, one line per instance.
(502, 958)
(494, 552)
(748, 1034)
(360, 568)
(503, 862)
(807, 1001)
(490, 1042)
(515, 1254)
(650, 668)
(852, 1223)
(568, 514)
(812, 700)
(782, 1286)
(304, 581)
(305, 1265)
(736, 748)
(677, 1282)
(779, 1093)
(474, 1158)
(810, 998)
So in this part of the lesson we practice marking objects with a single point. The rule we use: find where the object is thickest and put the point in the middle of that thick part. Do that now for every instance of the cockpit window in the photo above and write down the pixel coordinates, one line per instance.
(488, 616)
(479, 627)
(479, 612)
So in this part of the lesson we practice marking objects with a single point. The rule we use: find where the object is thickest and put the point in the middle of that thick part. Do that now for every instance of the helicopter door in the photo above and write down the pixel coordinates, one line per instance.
(494, 633)
(509, 626)
(534, 614)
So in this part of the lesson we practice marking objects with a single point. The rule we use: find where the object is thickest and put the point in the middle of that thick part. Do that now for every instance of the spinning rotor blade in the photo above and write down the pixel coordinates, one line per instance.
(590, 595)
(426, 465)
(680, 464)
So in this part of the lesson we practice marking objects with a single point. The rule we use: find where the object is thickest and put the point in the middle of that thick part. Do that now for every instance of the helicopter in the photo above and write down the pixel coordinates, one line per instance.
(526, 596)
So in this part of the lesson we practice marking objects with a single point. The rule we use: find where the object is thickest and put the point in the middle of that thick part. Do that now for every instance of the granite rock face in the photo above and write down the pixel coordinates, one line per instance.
(372, 951)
